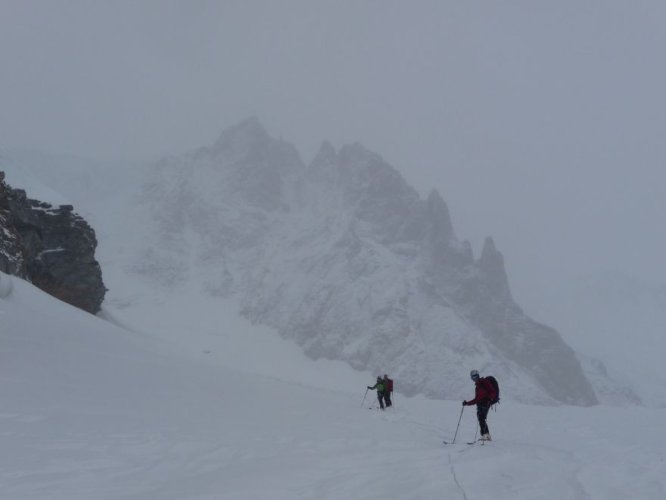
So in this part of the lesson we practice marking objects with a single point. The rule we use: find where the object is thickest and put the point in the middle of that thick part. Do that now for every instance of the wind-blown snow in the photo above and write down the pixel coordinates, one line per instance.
(190, 401)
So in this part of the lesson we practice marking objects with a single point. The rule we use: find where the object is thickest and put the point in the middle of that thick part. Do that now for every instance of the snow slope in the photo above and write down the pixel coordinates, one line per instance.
(92, 410)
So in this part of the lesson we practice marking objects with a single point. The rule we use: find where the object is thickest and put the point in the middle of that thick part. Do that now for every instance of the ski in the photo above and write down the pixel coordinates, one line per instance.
(481, 442)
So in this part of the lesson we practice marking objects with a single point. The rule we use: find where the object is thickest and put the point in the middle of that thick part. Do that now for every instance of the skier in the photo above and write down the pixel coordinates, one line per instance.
(484, 394)
(380, 387)
(388, 390)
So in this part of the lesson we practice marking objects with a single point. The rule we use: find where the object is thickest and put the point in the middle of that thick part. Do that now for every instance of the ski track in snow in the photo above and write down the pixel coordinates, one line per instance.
(455, 479)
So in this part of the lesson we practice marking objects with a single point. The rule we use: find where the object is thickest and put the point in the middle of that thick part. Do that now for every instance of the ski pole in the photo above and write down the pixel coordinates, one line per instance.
(366, 393)
(459, 419)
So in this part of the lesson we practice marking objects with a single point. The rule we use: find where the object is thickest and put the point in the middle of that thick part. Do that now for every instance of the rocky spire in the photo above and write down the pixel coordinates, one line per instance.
(440, 219)
(491, 265)
(323, 167)
(326, 153)
(242, 138)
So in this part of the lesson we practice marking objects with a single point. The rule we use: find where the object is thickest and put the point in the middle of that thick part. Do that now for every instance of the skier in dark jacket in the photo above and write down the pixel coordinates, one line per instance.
(484, 394)
(388, 390)
(380, 387)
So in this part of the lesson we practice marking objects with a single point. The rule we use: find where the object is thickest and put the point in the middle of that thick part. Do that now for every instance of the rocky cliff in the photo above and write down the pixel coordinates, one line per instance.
(52, 247)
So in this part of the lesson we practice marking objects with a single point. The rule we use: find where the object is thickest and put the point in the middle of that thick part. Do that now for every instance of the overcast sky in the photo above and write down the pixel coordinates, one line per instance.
(542, 124)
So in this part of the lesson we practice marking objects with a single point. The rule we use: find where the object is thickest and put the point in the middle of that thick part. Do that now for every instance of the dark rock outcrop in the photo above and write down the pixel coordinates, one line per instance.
(52, 247)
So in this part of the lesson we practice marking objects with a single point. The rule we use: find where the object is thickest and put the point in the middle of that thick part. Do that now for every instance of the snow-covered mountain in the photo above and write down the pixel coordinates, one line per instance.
(346, 259)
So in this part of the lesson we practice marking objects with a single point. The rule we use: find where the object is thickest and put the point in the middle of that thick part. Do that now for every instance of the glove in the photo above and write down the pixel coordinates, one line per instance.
(369, 387)
(465, 403)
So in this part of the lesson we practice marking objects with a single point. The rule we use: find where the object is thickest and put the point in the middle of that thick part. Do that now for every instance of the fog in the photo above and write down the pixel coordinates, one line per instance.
(541, 124)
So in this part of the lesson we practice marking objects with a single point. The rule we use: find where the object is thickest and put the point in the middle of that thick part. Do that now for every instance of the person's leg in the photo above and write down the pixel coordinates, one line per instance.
(387, 399)
(380, 398)
(482, 414)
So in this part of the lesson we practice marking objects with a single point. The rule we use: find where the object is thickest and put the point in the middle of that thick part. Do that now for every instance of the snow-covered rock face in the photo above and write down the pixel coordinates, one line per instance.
(344, 257)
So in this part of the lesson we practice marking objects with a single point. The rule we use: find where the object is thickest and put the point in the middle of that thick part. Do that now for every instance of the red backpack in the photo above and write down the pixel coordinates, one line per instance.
(389, 384)
(492, 387)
